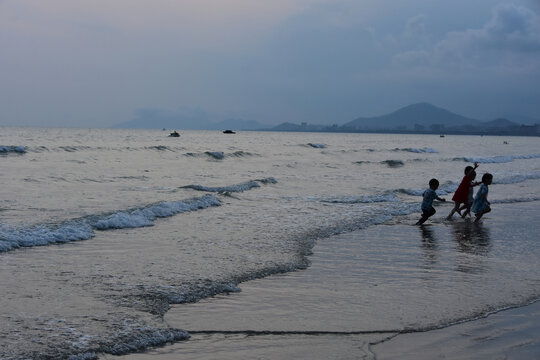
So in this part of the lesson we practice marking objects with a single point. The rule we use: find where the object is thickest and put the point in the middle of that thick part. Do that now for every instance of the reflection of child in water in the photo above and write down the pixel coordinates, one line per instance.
(481, 203)
(462, 193)
(427, 204)
(470, 199)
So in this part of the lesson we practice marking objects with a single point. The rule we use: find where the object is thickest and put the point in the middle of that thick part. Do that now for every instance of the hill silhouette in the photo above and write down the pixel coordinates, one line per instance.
(421, 114)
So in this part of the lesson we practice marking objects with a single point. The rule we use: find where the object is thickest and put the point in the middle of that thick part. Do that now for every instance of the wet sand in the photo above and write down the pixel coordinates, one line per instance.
(509, 334)
(388, 292)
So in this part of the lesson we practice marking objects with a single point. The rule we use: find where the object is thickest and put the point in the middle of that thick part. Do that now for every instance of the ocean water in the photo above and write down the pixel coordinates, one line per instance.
(101, 231)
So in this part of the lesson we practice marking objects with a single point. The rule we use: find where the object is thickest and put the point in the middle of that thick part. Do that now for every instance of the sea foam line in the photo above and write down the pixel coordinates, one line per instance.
(84, 228)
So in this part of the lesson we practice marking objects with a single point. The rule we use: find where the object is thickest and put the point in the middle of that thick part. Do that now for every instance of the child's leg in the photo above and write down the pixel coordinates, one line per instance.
(479, 215)
(426, 215)
(467, 211)
(423, 218)
(456, 207)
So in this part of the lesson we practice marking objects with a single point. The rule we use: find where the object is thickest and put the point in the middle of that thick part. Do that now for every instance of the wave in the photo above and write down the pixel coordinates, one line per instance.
(513, 201)
(393, 163)
(220, 155)
(83, 228)
(12, 149)
(497, 159)
(364, 199)
(79, 148)
(233, 188)
(515, 178)
(416, 150)
(132, 338)
(317, 146)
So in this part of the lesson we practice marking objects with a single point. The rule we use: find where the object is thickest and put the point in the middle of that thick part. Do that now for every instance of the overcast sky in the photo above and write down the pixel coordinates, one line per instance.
(94, 63)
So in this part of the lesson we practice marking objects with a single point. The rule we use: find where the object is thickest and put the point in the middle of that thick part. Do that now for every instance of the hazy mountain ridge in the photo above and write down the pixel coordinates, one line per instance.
(415, 118)
(422, 114)
(420, 118)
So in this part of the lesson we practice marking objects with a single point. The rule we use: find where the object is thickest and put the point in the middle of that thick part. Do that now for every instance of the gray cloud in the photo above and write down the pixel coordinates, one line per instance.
(512, 30)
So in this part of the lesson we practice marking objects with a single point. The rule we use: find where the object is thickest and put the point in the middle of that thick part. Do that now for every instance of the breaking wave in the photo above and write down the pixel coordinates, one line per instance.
(515, 178)
(393, 163)
(233, 188)
(317, 146)
(497, 159)
(416, 150)
(82, 229)
(12, 149)
(220, 155)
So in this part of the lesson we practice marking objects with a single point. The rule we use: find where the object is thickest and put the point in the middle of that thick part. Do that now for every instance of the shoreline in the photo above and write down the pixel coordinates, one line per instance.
(322, 312)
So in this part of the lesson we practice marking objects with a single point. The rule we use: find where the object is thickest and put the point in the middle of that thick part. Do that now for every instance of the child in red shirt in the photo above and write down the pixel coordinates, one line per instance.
(461, 196)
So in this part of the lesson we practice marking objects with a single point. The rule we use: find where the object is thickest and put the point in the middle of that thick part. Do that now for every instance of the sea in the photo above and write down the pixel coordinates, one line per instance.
(104, 231)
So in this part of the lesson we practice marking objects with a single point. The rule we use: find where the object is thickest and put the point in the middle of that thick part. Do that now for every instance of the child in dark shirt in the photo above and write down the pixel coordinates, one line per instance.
(427, 204)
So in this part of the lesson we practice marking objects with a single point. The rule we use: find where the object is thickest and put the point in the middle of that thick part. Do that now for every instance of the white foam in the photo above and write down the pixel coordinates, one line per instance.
(12, 238)
(83, 229)
(146, 216)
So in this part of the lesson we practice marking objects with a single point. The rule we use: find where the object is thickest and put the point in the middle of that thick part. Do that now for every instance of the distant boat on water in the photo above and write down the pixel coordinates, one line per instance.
(228, 132)
(174, 134)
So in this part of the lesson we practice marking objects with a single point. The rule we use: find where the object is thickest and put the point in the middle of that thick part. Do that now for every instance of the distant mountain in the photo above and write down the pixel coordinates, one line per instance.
(416, 115)
(422, 118)
(521, 119)
(499, 123)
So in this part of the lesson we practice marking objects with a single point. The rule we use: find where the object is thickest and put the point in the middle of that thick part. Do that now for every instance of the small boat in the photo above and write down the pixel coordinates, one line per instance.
(174, 134)
(228, 132)
(441, 135)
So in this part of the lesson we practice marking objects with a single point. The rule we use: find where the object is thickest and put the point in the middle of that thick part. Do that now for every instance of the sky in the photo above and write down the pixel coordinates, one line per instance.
(98, 63)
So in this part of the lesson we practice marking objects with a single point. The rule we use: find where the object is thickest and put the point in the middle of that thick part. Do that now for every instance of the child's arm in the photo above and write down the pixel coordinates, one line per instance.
(441, 199)
(474, 168)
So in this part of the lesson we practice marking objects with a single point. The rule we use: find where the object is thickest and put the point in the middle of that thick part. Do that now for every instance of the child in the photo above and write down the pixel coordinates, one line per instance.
(462, 193)
(470, 199)
(481, 203)
(427, 204)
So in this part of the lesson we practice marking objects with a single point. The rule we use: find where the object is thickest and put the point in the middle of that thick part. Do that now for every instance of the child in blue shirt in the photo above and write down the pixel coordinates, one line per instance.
(481, 204)
(427, 204)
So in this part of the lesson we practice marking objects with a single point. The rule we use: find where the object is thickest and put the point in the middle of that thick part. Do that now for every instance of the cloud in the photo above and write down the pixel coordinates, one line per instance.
(513, 31)
(510, 40)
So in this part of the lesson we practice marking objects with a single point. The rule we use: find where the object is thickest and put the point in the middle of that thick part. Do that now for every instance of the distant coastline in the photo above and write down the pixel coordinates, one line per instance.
(421, 118)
